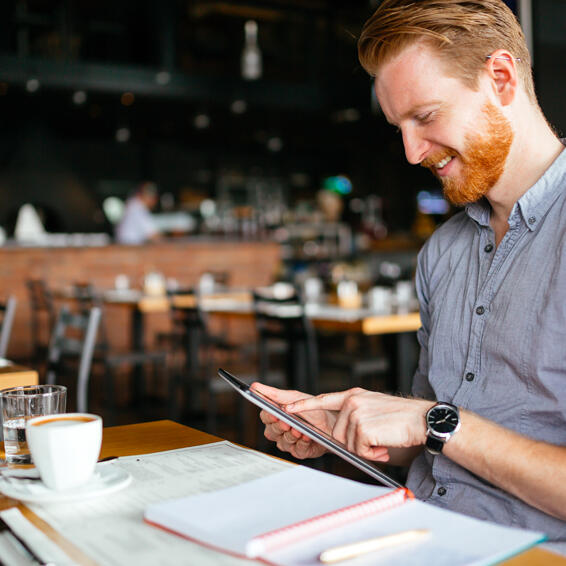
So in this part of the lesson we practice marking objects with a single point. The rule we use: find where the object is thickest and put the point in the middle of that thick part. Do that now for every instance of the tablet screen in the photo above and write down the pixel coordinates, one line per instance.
(308, 429)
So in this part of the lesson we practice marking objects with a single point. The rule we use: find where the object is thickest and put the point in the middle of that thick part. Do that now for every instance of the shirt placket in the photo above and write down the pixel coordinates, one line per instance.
(491, 269)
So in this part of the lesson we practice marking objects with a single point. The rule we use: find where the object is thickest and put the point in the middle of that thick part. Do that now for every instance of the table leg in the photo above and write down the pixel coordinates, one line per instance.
(192, 365)
(138, 384)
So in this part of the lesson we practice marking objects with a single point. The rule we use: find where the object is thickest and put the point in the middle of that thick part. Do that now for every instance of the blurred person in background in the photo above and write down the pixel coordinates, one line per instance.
(137, 225)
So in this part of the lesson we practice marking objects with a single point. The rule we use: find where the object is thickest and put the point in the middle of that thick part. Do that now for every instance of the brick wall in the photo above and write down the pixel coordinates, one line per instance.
(248, 263)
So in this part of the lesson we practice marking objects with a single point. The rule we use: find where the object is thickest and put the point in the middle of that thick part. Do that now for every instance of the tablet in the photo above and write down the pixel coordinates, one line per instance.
(306, 428)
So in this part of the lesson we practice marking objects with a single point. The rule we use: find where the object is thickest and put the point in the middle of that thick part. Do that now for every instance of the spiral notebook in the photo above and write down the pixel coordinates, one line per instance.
(291, 516)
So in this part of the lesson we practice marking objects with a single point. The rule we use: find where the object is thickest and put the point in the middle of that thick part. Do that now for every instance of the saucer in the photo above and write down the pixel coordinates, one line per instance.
(107, 478)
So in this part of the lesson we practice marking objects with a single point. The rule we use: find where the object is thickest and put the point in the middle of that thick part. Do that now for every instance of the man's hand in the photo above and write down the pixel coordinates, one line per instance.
(287, 438)
(369, 423)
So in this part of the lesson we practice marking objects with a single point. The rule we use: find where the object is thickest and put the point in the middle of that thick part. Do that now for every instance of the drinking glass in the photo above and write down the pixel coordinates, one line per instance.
(19, 404)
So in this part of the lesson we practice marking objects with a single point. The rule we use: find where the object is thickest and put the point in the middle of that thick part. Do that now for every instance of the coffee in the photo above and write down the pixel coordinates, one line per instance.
(64, 420)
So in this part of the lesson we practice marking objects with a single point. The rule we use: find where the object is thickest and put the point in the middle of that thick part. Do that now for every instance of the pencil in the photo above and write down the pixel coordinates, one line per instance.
(338, 553)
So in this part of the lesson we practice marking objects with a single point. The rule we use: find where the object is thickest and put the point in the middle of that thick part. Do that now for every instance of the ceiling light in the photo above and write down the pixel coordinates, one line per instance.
(122, 135)
(79, 97)
(275, 144)
(127, 98)
(163, 78)
(32, 85)
(201, 121)
(346, 115)
(238, 106)
(251, 55)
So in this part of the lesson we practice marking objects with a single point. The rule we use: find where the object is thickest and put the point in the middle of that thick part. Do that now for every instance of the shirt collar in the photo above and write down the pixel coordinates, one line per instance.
(534, 204)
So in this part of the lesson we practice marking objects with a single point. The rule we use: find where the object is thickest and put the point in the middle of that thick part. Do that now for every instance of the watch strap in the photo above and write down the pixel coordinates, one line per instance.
(433, 445)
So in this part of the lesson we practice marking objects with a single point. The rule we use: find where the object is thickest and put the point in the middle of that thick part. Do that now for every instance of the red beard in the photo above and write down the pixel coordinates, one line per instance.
(483, 160)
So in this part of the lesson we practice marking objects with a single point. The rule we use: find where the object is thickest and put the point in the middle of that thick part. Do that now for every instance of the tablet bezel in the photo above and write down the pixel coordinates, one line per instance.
(307, 429)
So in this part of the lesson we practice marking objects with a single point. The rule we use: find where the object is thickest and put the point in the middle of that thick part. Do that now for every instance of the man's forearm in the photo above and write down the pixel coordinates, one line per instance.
(532, 471)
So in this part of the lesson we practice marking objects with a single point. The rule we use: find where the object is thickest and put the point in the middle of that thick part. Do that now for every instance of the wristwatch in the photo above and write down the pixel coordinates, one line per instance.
(442, 423)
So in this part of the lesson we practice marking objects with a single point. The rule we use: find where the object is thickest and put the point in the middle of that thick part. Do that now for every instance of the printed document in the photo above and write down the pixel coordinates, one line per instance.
(110, 529)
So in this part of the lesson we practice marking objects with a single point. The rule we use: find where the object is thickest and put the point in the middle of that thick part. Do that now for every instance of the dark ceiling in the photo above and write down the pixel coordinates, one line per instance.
(179, 59)
(185, 49)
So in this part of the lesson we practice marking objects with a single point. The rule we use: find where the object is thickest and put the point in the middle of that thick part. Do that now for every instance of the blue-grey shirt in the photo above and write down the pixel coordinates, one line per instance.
(493, 340)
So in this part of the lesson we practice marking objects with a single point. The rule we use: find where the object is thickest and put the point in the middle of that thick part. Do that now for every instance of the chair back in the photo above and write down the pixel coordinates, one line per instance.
(190, 322)
(74, 336)
(7, 313)
(88, 297)
(284, 319)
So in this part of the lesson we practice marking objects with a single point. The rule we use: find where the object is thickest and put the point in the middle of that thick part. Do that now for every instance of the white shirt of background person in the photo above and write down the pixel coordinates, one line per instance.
(137, 225)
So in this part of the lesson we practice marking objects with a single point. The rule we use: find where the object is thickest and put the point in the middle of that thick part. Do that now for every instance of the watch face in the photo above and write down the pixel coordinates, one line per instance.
(443, 420)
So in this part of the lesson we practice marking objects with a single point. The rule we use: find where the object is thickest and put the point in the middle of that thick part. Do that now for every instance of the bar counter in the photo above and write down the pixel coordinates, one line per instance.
(249, 263)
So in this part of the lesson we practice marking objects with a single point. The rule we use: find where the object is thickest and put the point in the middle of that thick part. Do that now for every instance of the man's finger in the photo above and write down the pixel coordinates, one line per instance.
(282, 396)
(329, 401)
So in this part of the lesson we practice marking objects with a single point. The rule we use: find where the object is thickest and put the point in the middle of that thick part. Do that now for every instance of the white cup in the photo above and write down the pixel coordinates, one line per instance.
(65, 448)
(313, 289)
(122, 282)
(404, 293)
(380, 299)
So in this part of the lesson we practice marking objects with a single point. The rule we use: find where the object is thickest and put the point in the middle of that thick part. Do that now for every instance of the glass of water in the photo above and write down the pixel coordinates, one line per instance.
(19, 404)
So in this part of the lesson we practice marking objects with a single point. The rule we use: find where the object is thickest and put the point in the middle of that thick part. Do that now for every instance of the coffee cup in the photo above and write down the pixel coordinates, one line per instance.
(65, 448)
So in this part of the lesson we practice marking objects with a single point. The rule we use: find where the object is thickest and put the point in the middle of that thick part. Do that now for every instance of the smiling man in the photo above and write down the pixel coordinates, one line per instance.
(484, 433)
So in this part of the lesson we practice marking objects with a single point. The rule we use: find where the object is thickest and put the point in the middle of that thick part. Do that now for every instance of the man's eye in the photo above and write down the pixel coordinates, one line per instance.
(426, 117)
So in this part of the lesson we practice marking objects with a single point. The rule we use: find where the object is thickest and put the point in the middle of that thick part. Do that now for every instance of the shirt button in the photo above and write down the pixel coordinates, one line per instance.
(441, 491)
(480, 310)
(532, 219)
(488, 248)
(470, 376)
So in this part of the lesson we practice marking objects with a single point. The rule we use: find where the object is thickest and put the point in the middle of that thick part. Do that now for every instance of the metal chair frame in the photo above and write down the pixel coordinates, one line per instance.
(8, 311)
(63, 345)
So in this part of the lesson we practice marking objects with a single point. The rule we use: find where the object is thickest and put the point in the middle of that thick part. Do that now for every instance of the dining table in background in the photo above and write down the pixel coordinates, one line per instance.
(14, 375)
(237, 303)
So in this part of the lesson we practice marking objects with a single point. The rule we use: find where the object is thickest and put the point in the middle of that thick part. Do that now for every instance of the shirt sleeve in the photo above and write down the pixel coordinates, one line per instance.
(421, 386)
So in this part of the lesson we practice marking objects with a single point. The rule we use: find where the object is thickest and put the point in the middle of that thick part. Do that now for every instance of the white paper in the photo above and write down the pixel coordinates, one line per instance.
(41, 544)
(110, 529)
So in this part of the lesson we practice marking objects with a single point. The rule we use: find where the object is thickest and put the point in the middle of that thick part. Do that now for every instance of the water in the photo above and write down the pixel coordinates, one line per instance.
(15, 443)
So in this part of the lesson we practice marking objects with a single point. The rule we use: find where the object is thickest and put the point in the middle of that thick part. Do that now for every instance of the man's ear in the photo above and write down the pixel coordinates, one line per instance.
(502, 70)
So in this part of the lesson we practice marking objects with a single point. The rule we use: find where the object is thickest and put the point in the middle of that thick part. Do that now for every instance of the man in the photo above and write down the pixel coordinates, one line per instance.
(137, 225)
(454, 77)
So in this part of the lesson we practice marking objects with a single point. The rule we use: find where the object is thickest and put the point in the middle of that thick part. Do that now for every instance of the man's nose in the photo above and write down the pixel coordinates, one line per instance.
(416, 146)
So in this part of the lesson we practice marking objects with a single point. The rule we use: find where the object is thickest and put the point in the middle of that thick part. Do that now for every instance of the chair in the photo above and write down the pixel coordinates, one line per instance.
(42, 318)
(283, 328)
(87, 297)
(74, 336)
(7, 313)
(198, 348)
(353, 359)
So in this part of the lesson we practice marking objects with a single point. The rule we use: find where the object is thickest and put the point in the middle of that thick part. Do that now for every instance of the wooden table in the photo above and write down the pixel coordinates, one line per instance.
(145, 438)
(13, 375)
